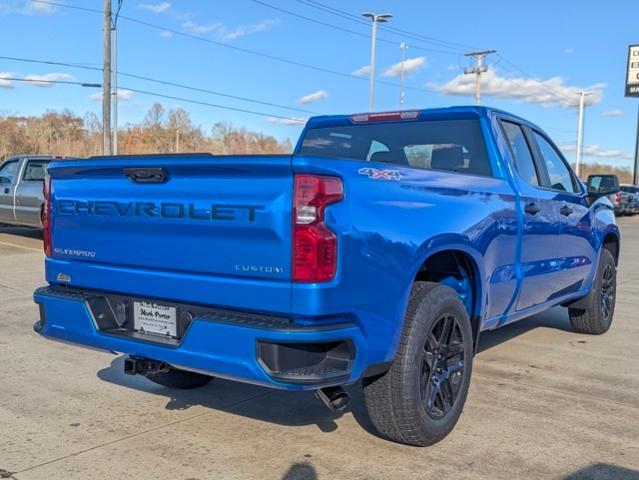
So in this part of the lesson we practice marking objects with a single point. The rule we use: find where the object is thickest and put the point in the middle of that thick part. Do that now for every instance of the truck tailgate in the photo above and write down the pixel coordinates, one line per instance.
(209, 217)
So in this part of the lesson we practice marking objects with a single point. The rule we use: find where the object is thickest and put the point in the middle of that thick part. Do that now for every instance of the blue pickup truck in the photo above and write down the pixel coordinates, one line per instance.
(378, 252)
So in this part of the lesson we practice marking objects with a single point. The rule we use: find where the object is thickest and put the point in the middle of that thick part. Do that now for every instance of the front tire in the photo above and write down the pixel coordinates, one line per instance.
(419, 400)
(180, 379)
(596, 318)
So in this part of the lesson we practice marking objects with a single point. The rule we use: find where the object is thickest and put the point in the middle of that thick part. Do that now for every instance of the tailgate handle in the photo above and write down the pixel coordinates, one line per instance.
(146, 175)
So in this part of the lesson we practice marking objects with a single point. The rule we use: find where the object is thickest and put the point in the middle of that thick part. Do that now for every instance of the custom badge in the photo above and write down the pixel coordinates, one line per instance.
(375, 174)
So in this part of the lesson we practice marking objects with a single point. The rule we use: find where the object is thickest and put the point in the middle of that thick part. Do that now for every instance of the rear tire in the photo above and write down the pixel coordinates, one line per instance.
(419, 400)
(180, 379)
(596, 318)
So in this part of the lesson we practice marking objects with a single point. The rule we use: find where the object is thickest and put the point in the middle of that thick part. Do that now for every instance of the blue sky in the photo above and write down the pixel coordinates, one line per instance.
(548, 51)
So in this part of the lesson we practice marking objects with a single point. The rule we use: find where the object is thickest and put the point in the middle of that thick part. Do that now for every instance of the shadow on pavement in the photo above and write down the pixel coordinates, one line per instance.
(290, 408)
(556, 318)
(603, 471)
(301, 471)
(287, 408)
(22, 231)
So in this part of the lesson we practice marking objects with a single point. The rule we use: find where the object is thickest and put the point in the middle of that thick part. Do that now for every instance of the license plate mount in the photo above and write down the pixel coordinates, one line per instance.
(155, 318)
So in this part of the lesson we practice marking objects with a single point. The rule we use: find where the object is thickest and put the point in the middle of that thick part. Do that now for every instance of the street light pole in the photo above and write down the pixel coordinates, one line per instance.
(580, 132)
(402, 47)
(375, 19)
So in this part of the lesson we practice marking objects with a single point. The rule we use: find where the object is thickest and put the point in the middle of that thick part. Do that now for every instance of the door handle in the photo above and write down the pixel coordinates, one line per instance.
(6, 190)
(565, 210)
(532, 209)
(146, 175)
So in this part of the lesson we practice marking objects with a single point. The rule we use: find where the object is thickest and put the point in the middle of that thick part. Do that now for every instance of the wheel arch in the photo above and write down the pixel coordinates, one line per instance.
(458, 265)
(611, 242)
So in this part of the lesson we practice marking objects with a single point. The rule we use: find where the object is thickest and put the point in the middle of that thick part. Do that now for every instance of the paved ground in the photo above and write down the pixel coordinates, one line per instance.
(544, 403)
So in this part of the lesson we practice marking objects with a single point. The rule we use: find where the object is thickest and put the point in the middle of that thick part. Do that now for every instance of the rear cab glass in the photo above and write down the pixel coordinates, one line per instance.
(450, 145)
(35, 170)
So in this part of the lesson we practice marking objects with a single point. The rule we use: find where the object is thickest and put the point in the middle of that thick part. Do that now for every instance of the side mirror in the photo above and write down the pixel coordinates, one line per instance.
(602, 185)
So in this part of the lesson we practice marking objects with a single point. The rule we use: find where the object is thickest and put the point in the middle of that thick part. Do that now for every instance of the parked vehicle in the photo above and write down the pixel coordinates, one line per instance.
(21, 198)
(378, 251)
(631, 193)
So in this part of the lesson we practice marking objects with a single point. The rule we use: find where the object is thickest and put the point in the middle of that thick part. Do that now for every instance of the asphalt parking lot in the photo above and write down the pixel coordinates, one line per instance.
(544, 403)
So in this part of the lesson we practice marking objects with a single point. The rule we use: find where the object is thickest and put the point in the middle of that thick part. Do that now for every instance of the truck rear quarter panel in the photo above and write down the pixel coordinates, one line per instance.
(388, 228)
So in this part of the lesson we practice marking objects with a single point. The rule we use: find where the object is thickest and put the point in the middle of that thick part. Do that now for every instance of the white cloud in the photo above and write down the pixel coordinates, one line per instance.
(569, 51)
(224, 33)
(411, 65)
(194, 27)
(166, 34)
(42, 80)
(4, 83)
(161, 7)
(36, 8)
(33, 80)
(313, 97)
(292, 121)
(452, 67)
(244, 30)
(612, 113)
(361, 72)
(598, 152)
(123, 96)
(27, 8)
(552, 92)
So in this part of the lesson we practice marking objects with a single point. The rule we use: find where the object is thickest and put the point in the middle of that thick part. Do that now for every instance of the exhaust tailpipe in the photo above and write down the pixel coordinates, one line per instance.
(335, 398)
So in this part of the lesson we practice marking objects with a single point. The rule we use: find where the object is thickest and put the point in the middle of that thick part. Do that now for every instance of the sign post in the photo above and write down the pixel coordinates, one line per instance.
(632, 90)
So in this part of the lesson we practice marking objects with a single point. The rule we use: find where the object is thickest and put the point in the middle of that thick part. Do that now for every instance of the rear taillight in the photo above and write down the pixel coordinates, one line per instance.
(46, 216)
(617, 197)
(314, 244)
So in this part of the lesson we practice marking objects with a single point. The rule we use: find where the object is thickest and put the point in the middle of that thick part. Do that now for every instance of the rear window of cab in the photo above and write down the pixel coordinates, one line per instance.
(449, 145)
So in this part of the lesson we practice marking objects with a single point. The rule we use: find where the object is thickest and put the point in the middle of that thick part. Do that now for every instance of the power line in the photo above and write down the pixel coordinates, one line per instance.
(162, 82)
(155, 94)
(541, 84)
(63, 82)
(66, 5)
(239, 49)
(207, 104)
(346, 30)
(397, 31)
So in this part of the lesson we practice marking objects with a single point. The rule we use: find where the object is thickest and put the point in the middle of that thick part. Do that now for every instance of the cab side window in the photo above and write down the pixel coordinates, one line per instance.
(524, 163)
(8, 172)
(558, 171)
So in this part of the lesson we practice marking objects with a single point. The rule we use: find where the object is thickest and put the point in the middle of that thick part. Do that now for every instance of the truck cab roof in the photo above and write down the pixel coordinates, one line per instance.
(445, 113)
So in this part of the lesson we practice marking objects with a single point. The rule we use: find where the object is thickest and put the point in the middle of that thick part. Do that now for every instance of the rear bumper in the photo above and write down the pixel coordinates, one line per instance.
(258, 349)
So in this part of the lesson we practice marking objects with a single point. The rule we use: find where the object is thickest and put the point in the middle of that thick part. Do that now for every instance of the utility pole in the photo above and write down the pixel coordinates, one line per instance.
(114, 38)
(106, 80)
(635, 172)
(402, 47)
(580, 132)
(381, 18)
(115, 93)
(478, 70)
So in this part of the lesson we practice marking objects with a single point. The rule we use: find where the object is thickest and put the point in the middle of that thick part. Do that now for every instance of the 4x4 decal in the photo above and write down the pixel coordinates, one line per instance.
(376, 174)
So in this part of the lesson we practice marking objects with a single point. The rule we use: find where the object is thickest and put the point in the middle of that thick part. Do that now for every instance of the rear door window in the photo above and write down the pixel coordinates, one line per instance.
(524, 163)
(451, 145)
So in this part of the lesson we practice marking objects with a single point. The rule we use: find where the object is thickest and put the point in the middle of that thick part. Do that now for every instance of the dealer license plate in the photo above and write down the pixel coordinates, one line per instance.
(149, 317)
